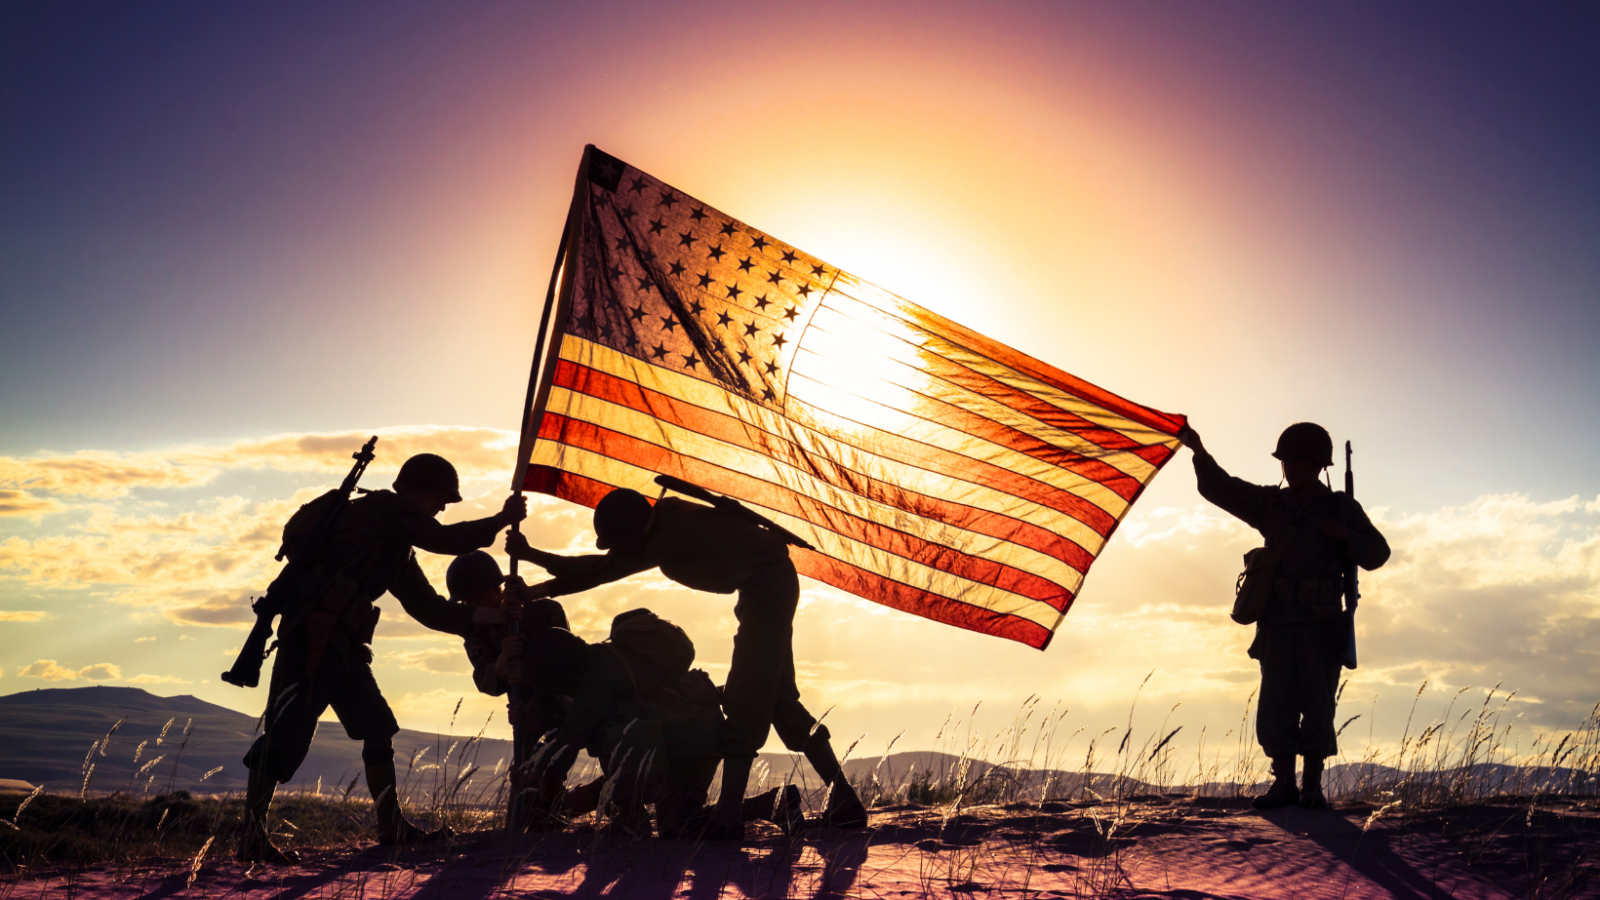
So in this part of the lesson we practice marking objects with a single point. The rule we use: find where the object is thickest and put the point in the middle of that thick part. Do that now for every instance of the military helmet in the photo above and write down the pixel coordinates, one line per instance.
(620, 518)
(1305, 440)
(471, 574)
(427, 470)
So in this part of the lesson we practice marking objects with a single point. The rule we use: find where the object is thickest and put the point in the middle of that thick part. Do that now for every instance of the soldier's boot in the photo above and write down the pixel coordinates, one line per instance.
(255, 844)
(1311, 796)
(393, 827)
(844, 809)
(1283, 791)
(780, 806)
(727, 817)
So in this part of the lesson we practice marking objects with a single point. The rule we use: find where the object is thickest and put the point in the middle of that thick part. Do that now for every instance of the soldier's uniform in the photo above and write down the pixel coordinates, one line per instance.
(326, 659)
(624, 712)
(706, 549)
(540, 710)
(1301, 635)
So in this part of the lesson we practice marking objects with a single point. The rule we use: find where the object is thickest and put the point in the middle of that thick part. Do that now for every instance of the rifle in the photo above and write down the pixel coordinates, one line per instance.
(1352, 590)
(730, 505)
(294, 584)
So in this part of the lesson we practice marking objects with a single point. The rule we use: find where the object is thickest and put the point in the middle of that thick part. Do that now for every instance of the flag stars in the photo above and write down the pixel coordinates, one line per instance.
(729, 229)
(762, 302)
(789, 257)
(769, 395)
(779, 340)
(677, 268)
(659, 351)
(750, 329)
(790, 313)
(636, 313)
(716, 252)
(758, 243)
(818, 271)
(692, 361)
(668, 199)
(744, 357)
(645, 283)
(687, 239)
(772, 369)
(805, 289)
(697, 307)
(669, 322)
(706, 280)
(627, 213)
(613, 272)
(620, 242)
(697, 214)
(775, 277)
(735, 292)
(724, 319)
(657, 226)
(639, 184)
(746, 264)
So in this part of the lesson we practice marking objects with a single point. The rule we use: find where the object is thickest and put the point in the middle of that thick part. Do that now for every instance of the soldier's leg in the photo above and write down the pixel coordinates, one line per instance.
(294, 703)
(1277, 711)
(801, 733)
(366, 717)
(762, 644)
(1319, 687)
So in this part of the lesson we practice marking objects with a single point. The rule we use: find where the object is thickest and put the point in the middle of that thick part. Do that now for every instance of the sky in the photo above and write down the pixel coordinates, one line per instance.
(237, 239)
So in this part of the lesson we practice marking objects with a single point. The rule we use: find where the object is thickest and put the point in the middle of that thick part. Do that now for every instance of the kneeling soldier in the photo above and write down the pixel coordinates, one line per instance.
(324, 654)
(1315, 532)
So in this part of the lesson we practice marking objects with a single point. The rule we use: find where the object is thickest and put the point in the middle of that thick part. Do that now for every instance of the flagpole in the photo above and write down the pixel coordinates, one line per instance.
(530, 425)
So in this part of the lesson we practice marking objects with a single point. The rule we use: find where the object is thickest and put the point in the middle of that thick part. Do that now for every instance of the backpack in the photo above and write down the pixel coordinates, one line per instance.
(303, 524)
(659, 642)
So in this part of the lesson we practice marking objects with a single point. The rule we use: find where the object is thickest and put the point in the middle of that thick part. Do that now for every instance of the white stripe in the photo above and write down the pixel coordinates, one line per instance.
(848, 550)
(765, 468)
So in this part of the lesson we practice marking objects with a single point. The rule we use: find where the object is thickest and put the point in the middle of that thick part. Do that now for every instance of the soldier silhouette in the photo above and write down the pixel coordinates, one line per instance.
(1314, 532)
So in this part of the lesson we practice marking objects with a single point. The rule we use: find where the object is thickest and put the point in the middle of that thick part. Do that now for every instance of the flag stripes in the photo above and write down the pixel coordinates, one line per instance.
(935, 470)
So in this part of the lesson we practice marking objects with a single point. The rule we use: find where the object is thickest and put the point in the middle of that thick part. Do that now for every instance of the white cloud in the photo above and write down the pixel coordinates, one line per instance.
(158, 679)
(100, 672)
(21, 615)
(48, 670)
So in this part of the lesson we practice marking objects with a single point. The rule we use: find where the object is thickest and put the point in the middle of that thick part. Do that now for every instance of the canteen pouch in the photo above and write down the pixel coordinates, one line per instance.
(1253, 591)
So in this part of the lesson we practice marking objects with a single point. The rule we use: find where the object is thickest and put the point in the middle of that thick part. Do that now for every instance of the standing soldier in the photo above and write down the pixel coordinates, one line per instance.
(324, 653)
(1314, 533)
(710, 549)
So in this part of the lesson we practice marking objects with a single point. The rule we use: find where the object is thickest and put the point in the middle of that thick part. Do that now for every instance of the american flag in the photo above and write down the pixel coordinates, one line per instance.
(936, 471)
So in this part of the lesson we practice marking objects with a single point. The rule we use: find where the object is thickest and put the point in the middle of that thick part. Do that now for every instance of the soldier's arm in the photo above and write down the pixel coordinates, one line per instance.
(1365, 546)
(1236, 496)
(576, 574)
(423, 603)
(483, 657)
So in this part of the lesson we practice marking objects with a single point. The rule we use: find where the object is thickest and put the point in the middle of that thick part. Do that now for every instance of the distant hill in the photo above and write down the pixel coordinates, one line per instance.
(48, 732)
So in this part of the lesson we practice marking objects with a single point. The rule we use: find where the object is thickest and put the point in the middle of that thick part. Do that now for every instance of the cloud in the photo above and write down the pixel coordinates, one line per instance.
(48, 670)
(476, 452)
(442, 662)
(22, 503)
(158, 679)
(100, 672)
(21, 615)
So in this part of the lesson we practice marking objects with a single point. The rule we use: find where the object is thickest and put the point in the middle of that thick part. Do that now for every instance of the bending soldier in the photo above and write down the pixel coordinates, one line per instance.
(708, 549)
(655, 735)
(1302, 632)
(324, 654)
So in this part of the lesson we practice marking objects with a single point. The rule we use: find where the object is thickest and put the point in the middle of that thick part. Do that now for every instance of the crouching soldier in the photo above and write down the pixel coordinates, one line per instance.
(713, 550)
(1313, 533)
(653, 723)
(324, 655)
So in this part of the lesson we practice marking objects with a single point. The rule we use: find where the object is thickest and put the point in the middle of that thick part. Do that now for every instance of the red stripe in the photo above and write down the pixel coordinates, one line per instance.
(903, 450)
(1167, 423)
(951, 416)
(904, 597)
(613, 444)
(1024, 402)
(854, 579)
(740, 434)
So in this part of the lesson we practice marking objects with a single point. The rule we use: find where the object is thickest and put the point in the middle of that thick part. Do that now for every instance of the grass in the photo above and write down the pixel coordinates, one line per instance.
(1038, 782)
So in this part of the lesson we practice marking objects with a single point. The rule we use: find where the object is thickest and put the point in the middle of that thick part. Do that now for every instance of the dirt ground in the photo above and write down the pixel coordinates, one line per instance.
(1157, 847)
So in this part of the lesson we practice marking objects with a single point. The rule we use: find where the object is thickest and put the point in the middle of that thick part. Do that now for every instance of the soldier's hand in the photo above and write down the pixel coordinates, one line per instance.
(509, 665)
(538, 591)
(1335, 529)
(517, 545)
(514, 510)
(1191, 438)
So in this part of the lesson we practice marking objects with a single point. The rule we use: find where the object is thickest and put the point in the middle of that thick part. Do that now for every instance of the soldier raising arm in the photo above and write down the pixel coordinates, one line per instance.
(324, 655)
(1315, 533)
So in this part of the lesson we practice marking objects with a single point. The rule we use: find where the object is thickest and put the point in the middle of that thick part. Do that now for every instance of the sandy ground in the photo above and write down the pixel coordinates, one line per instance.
(1155, 848)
